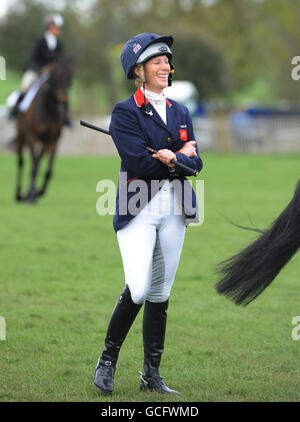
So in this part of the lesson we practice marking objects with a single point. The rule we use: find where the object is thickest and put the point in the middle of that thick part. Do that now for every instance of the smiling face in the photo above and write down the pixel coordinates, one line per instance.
(156, 72)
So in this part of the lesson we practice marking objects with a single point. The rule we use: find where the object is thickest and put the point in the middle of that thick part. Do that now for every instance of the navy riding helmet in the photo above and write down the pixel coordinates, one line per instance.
(143, 47)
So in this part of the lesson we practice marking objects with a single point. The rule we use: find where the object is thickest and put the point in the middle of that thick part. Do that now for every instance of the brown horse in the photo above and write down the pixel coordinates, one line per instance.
(40, 126)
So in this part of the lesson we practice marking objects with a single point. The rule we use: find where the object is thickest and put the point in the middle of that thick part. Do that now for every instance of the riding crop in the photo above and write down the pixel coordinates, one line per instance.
(177, 163)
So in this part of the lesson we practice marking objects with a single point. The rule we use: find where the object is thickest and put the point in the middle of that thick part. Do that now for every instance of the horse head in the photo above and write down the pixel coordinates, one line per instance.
(60, 78)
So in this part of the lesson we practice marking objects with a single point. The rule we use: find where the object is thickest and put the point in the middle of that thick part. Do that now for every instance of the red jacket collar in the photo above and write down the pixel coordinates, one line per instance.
(139, 98)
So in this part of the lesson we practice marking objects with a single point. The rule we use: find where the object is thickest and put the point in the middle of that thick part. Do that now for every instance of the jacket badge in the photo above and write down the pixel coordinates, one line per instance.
(183, 134)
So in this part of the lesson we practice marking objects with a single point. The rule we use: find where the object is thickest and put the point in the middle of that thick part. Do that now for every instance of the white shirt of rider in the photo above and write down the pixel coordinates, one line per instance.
(159, 103)
(51, 40)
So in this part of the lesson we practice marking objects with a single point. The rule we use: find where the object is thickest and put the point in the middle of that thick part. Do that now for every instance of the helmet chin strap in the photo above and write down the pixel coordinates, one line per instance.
(171, 74)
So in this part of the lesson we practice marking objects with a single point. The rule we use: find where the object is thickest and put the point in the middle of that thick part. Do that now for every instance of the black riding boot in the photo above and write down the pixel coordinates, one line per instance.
(120, 322)
(154, 329)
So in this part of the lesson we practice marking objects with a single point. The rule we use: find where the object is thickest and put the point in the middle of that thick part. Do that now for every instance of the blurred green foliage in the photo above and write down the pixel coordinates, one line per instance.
(202, 62)
(224, 48)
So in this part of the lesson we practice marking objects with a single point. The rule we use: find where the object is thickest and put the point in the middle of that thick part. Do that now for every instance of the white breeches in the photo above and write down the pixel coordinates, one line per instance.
(150, 246)
(28, 79)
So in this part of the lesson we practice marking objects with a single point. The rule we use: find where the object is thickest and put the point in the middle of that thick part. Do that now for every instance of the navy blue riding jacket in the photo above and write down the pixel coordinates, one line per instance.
(133, 129)
(40, 55)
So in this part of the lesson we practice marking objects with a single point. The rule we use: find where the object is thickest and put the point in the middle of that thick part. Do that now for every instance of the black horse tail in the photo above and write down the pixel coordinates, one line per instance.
(248, 273)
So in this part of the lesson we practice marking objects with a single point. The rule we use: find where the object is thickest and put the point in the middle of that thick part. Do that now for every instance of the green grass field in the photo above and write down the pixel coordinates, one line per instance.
(61, 274)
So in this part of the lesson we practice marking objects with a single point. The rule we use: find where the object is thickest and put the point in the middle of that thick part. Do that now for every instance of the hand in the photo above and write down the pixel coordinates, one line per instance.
(189, 149)
(165, 156)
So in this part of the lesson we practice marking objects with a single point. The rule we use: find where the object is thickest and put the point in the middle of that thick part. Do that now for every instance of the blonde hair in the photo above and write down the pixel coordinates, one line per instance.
(139, 80)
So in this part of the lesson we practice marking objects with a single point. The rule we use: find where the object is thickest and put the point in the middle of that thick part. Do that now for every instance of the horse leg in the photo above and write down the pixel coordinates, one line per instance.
(19, 142)
(35, 160)
(48, 173)
(19, 174)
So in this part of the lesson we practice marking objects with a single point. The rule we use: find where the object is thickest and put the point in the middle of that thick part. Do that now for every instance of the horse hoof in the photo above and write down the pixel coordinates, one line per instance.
(31, 200)
(40, 193)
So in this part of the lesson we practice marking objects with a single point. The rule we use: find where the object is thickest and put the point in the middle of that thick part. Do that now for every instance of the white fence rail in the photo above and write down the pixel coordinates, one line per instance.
(216, 132)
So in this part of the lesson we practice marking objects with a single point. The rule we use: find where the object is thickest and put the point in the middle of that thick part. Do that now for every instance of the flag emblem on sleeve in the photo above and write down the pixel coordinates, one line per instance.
(183, 134)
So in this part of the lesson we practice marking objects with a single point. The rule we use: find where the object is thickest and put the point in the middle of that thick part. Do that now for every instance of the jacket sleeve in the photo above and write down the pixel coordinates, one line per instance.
(193, 162)
(132, 146)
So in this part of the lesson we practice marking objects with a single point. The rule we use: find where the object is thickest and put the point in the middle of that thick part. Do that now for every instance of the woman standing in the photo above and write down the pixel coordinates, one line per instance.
(150, 229)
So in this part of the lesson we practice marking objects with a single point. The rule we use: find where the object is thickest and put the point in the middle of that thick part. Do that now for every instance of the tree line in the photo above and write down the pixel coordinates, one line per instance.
(221, 46)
